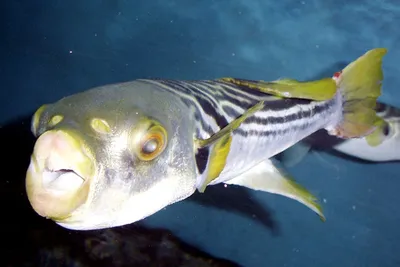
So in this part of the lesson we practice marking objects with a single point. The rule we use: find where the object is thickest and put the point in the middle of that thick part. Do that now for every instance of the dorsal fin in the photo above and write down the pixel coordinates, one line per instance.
(319, 90)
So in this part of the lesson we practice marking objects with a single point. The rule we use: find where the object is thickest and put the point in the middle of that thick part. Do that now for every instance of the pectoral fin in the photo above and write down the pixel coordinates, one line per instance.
(220, 144)
(268, 178)
(227, 130)
(319, 90)
(217, 161)
(378, 135)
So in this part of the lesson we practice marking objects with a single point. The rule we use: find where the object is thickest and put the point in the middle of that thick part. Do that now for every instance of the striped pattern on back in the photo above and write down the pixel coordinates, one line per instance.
(215, 103)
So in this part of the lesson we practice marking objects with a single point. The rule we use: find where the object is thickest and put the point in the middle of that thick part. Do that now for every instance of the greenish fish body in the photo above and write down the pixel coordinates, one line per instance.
(116, 154)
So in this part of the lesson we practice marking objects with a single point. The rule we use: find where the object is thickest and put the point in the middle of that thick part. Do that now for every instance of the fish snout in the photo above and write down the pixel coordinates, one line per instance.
(59, 174)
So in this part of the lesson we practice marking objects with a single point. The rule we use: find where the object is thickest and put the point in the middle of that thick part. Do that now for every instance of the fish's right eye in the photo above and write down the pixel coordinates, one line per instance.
(152, 144)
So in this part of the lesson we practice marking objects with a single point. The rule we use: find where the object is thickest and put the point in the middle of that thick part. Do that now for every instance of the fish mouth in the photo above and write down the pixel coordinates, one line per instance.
(58, 181)
(59, 175)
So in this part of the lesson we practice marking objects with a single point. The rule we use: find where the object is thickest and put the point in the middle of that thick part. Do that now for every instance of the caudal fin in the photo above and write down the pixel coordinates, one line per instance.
(360, 85)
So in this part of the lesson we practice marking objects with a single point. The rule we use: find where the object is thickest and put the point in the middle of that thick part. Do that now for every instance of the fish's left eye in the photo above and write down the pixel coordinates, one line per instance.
(152, 144)
(386, 129)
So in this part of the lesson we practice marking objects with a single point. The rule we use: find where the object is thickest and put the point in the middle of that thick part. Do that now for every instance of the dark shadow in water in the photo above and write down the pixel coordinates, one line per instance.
(237, 200)
(34, 241)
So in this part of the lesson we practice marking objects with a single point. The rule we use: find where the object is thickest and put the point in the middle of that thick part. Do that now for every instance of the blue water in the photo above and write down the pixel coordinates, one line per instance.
(51, 49)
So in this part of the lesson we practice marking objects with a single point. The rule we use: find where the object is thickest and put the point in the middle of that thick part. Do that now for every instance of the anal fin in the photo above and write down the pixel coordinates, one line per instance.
(268, 178)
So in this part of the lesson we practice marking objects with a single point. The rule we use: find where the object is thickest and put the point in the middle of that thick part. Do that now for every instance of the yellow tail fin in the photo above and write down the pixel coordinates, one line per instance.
(360, 84)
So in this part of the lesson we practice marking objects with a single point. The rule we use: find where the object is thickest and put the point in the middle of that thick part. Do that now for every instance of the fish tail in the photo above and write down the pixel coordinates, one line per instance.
(360, 85)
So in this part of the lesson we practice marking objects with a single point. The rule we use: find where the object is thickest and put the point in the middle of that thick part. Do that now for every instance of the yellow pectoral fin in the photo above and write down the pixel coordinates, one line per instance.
(221, 144)
(318, 90)
(378, 135)
(217, 160)
(230, 127)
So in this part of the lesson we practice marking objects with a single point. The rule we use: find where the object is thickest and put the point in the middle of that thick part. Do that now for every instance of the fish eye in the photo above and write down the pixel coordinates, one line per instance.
(386, 129)
(153, 143)
(150, 146)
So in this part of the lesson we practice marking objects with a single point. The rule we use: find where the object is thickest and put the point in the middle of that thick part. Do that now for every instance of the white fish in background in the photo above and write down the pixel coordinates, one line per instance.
(365, 148)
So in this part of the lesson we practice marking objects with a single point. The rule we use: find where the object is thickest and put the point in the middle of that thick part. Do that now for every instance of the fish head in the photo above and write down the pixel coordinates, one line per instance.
(110, 156)
(387, 133)
(391, 144)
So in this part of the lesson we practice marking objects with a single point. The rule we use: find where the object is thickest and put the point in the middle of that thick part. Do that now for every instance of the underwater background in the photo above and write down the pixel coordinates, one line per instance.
(51, 49)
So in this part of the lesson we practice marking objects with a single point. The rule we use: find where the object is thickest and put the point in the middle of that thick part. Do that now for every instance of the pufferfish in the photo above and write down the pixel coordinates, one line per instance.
(116, 154)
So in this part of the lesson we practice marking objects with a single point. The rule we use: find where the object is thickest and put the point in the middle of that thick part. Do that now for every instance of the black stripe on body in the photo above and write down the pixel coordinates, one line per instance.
(224, 102)
(289, 118)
